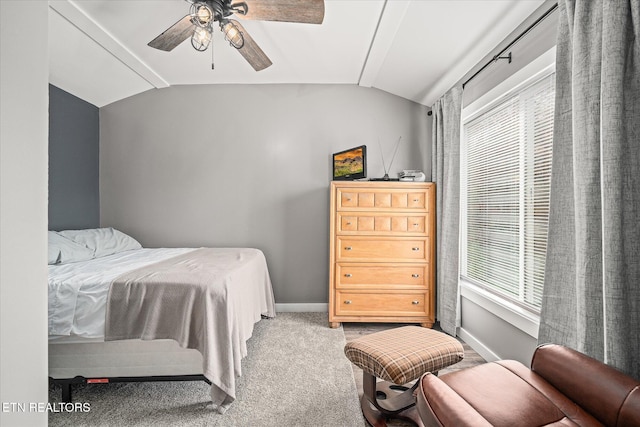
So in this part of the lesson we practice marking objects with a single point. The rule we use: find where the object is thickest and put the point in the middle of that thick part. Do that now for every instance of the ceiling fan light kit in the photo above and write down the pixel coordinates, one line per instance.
(232, 33)
(203, 13)
(200, 39)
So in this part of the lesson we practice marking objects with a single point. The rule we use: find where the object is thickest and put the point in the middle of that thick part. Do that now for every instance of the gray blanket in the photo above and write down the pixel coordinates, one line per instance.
(207, 299)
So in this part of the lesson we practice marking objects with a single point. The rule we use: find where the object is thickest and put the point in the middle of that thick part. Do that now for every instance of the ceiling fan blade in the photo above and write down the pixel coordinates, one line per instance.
(251, 51)
(174, 35)
(304, 11)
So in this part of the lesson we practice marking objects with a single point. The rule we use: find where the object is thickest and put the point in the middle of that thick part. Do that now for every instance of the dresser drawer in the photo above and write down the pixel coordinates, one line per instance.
(355, 303)
(372, 199)
(380, 223)
(381, 276)
(372, 249)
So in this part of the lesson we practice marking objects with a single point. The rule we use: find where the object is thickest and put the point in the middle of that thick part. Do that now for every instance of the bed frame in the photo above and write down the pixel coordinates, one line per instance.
(121, 361)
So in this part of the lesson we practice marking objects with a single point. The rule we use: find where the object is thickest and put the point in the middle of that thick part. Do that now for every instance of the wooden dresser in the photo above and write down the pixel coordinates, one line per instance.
(382, 252)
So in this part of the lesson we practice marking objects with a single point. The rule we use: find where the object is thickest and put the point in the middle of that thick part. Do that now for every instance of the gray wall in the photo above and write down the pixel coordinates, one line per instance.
(248, 165)
(23, 210)
(74, 132)
(493, 337)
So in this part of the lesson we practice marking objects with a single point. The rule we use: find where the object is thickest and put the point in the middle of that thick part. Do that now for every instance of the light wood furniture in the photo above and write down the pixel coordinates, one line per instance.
(381, 265)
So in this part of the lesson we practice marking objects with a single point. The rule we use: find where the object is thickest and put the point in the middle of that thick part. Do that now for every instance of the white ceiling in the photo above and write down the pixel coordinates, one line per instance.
(416, 49)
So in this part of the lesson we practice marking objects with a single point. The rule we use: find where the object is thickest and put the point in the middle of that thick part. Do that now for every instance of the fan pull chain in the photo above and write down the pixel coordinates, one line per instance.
(212, 67)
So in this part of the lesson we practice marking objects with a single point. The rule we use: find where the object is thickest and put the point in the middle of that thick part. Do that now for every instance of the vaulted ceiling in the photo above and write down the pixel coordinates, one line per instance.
(416, 49)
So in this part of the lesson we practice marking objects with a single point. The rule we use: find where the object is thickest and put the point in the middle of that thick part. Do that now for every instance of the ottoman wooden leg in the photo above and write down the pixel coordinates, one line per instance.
(384, 400)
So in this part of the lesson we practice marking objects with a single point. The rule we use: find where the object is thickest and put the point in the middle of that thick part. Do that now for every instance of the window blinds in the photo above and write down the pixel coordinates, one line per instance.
(508, 171)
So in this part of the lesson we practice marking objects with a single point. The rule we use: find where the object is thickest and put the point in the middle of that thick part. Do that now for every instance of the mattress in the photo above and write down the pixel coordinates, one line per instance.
(78, 290)
(93, 358)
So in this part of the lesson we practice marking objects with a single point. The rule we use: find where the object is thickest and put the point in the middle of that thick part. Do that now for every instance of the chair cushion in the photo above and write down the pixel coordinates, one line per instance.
(401, 355)
(504, 393)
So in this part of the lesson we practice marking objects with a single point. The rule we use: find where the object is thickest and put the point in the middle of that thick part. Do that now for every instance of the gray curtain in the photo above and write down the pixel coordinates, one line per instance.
(445, 172)
(591, 298)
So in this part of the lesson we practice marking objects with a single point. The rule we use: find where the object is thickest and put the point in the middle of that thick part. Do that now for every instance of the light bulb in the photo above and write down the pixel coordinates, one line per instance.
(203, 14)
(200, 39)
(232, 34)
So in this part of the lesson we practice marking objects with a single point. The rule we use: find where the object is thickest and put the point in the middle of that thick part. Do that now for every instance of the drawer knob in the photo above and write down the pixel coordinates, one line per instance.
(347, 248)
(347, 301)
(347, 275)
(416, 200)
(415, 249)
(415, 225)
(348, 223)
(415, 276)
(348, 199)
(415, 302)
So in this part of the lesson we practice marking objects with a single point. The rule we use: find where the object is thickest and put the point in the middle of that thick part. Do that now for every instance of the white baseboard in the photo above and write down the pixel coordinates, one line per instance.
(303, 308)
(477, 345)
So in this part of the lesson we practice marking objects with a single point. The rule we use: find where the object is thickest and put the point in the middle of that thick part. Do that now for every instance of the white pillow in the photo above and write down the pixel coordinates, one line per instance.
(102, 241)
(54, 251)
(63, 250)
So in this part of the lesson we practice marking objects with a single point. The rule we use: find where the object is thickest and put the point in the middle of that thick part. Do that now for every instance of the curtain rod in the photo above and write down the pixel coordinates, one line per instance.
(516, 40)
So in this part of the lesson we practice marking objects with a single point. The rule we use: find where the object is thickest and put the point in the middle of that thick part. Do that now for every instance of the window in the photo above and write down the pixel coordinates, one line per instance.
(506, 182)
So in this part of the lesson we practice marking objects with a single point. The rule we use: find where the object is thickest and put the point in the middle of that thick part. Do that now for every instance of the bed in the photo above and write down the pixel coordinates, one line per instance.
(121, 312)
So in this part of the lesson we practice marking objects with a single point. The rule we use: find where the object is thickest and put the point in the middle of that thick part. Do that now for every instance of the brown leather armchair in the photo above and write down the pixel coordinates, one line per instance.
(562, 388)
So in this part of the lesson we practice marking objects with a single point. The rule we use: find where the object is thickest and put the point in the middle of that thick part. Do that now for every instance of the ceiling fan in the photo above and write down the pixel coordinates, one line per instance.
(198, 24)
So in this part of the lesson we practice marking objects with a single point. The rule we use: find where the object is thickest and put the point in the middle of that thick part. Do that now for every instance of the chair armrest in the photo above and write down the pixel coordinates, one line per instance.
(630, 413)
(599, 389)
(439, 405)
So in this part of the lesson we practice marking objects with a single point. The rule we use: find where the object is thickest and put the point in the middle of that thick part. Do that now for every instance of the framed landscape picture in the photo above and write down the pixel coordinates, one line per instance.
(350, 164)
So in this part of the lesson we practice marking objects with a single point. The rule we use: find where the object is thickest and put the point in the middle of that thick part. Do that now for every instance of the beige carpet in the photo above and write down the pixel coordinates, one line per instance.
(296, 374)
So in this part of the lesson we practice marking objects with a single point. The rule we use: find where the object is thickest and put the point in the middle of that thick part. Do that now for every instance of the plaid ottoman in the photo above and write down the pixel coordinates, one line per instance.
(399, 356)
